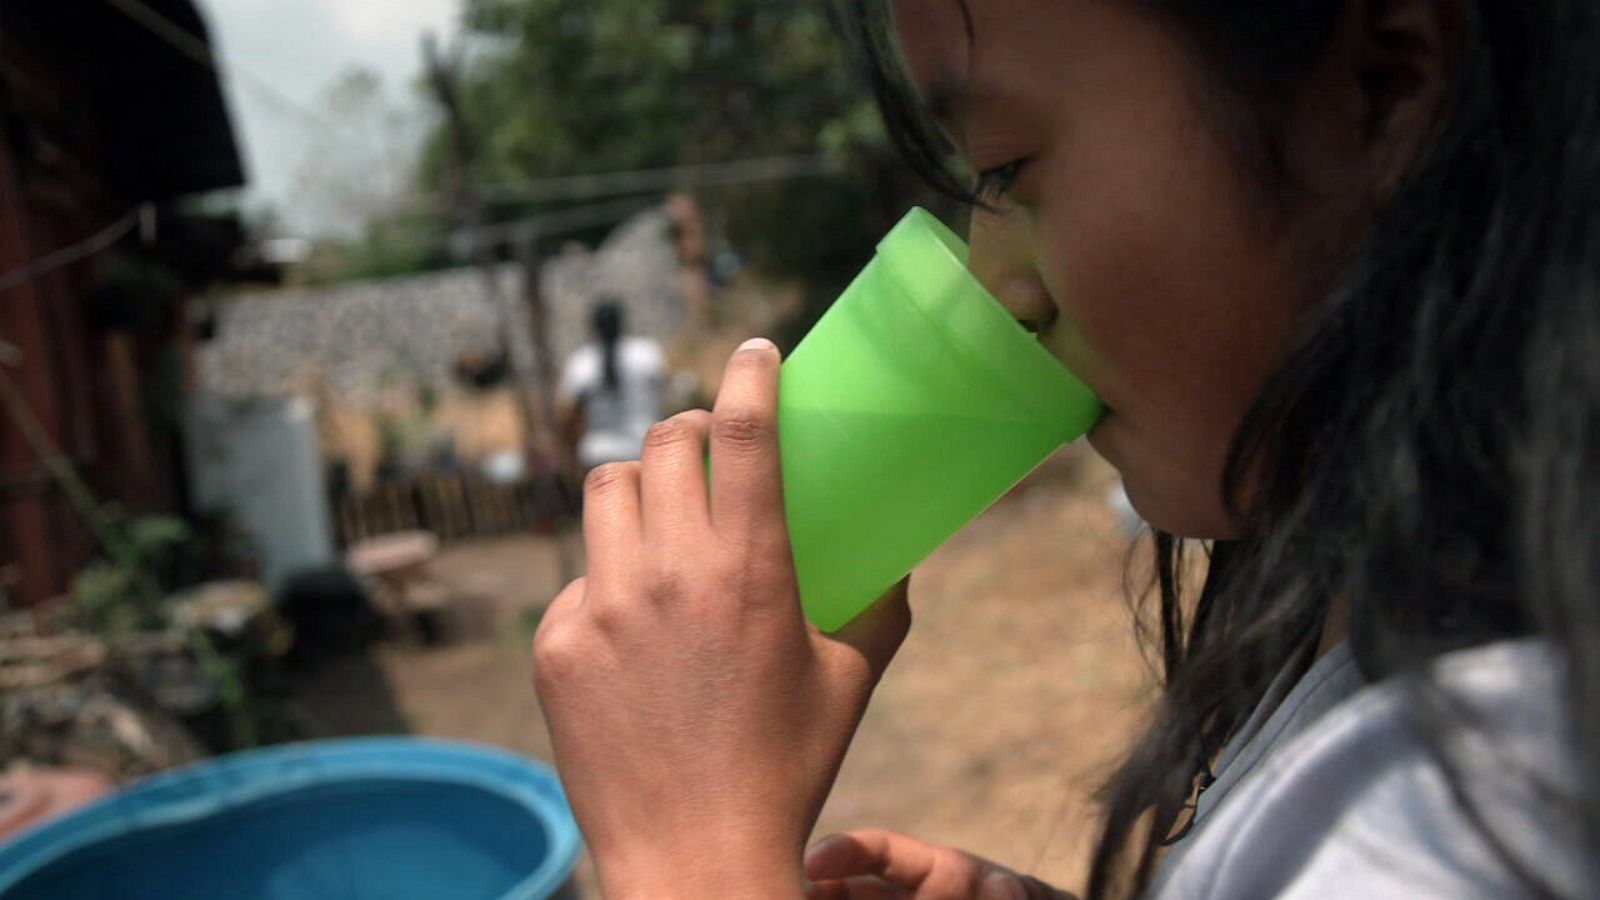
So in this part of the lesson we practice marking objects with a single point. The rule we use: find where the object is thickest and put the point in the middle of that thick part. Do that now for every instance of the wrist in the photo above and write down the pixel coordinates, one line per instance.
(705, 874)
(697, 889)
(693, 886)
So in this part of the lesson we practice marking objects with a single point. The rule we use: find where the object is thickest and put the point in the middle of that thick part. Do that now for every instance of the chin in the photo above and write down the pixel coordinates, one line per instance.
(1184, 519)
(1165, 494)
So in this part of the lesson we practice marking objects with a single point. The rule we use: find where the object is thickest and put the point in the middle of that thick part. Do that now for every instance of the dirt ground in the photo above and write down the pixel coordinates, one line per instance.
(1019, 684)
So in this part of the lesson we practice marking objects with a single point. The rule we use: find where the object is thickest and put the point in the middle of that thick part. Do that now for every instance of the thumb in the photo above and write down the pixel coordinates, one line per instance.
(917, 868)
(902, 860)
(878, 633)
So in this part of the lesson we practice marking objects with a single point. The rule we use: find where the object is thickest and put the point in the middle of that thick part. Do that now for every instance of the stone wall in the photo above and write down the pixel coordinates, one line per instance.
(351, 341)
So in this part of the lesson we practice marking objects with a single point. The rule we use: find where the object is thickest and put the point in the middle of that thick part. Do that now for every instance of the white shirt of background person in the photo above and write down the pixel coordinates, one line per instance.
(617, 418)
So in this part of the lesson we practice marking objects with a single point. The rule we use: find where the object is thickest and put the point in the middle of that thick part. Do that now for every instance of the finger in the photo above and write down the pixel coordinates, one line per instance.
(825, 890)
(876, 635)
(746, 479)
(999, 884)
(611, 526)
(903, 861)
(672, 476)
(866, 887)
(1034, 889)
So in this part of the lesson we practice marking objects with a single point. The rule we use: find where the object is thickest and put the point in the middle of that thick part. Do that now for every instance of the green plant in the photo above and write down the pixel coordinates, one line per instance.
(122, 593)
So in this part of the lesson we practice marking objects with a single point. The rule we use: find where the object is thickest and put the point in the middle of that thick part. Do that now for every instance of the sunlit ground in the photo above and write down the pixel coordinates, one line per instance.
(1018, 685)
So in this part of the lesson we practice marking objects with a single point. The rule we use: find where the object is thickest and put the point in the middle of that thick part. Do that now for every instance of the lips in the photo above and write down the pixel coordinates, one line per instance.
(1075, 361)
(1038, 318)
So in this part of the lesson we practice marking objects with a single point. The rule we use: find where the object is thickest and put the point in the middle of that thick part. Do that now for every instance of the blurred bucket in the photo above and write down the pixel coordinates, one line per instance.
(393, 818)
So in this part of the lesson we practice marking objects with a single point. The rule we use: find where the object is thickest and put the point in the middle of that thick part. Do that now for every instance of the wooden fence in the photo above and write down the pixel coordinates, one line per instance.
(451, 506)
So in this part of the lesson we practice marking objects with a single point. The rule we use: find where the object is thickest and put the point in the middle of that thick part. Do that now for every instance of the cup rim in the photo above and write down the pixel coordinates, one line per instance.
(928, 262)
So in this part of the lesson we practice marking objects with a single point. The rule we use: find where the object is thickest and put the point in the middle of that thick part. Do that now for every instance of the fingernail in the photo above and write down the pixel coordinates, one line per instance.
(758, 344)
(821, 846)
(814, 849)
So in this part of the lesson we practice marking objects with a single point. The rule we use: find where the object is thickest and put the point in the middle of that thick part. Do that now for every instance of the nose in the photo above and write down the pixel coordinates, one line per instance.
(1002, 261)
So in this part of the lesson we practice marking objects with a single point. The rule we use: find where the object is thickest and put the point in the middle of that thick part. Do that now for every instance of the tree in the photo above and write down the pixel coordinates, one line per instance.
(359, 195)
(371, 173)
(561, 87)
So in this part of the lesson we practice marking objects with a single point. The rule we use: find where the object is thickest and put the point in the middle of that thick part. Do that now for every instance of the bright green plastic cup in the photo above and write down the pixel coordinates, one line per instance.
(913, 405)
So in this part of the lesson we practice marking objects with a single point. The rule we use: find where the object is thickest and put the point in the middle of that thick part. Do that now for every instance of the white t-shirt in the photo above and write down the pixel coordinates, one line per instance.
(617, 417)
(1335, 794)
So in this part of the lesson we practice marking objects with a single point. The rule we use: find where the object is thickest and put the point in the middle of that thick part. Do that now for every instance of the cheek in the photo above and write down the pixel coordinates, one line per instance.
(1162, 260)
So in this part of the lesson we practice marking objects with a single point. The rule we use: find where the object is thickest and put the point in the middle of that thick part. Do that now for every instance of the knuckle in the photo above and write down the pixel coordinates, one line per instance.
(557, 655)
(603, 478)
(666, 434)
(670, 588)
(731, 571)
(607, 617)
(557, 650)
(749, 576)
(745, 429)
(666, 582)
(761, 550)
(693, 419)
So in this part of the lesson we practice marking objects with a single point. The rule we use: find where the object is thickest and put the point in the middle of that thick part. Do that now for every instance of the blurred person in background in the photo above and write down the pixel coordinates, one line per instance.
(1334, 268)
(610, 390)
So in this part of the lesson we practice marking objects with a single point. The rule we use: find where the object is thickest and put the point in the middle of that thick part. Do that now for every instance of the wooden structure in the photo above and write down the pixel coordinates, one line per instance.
(104, 124)
(451, 506)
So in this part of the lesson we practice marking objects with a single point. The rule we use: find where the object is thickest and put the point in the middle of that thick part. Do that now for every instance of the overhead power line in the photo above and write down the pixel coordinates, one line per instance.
(558, 188)
(196, 49)
(563, 221)
(66, 256)
(641, 181)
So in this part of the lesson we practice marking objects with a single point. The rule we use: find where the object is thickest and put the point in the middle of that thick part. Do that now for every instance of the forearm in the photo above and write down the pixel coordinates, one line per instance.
(674, 887)
(704, 873)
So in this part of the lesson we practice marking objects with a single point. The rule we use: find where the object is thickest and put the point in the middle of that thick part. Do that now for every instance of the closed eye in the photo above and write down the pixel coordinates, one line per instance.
(994, 183)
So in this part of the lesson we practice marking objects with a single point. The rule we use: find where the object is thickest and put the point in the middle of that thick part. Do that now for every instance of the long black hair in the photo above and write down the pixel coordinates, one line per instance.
(1429, 450)
(607, 319)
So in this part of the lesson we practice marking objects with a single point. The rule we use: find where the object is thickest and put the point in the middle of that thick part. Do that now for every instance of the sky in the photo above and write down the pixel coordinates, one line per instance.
(300, 47)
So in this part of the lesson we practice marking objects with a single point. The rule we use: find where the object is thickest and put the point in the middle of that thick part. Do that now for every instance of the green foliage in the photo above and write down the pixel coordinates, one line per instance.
(561, 87)
(108, 599)
(154, 535)
(390, 248)
(602, 85)
(122, 595)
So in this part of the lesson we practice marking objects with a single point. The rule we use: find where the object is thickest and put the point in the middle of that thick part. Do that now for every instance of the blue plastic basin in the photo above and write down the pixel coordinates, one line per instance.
(391, 818)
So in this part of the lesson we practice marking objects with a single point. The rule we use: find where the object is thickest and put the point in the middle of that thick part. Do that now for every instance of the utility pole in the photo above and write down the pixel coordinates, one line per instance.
(544, 379)
(544, 373)
(533, 379)
(467, 209)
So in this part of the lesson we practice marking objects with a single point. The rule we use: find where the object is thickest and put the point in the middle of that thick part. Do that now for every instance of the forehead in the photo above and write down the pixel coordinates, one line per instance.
(936, 37)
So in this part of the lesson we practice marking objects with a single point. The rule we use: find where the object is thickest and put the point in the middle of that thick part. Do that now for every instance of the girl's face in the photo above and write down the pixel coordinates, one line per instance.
(1126, 228)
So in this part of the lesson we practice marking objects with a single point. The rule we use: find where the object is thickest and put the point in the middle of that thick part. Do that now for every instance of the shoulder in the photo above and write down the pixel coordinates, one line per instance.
(1360, 804)
(581, 367)
(642, 353)
(585, 355)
